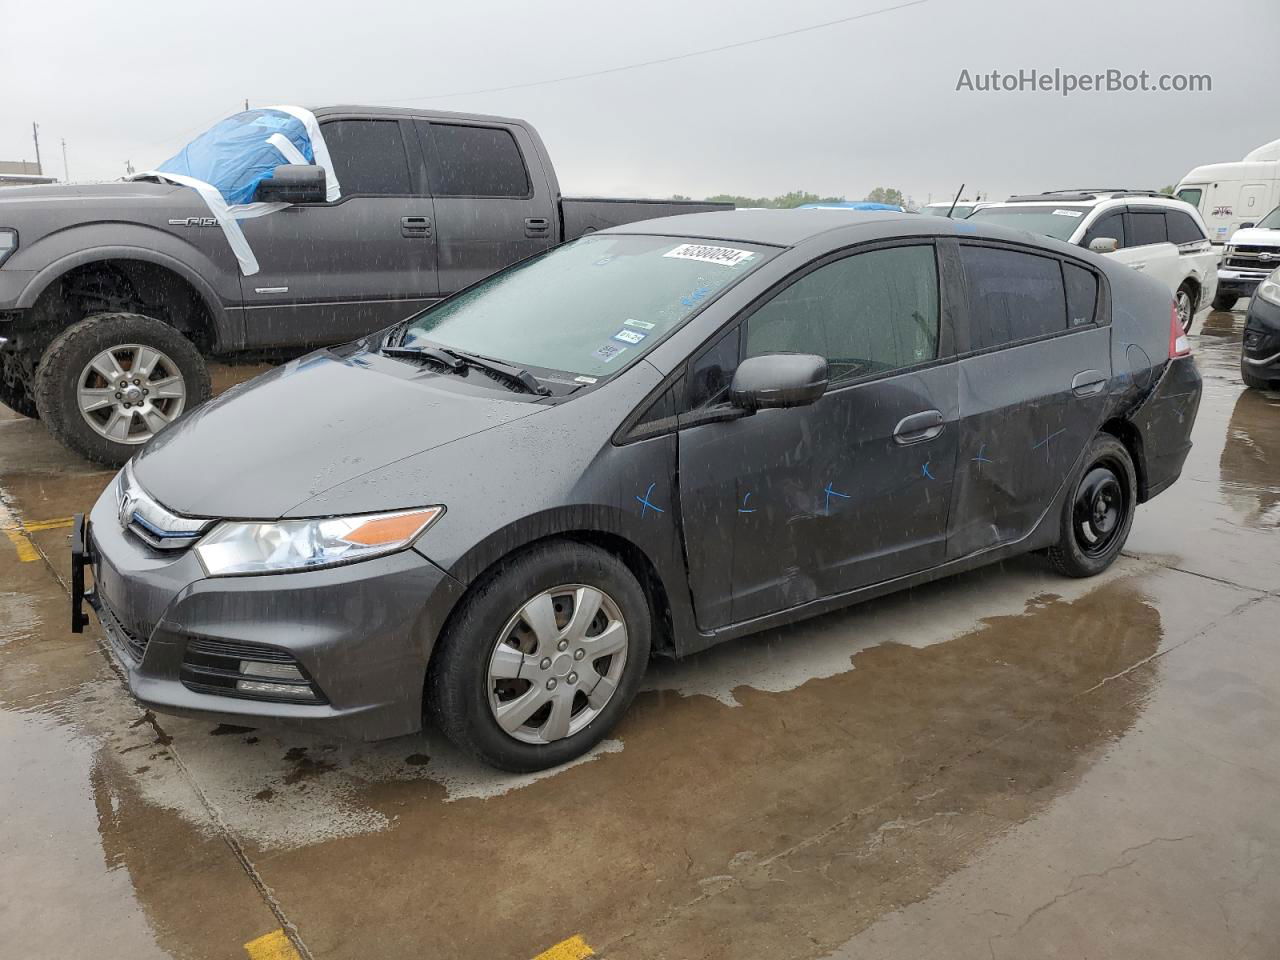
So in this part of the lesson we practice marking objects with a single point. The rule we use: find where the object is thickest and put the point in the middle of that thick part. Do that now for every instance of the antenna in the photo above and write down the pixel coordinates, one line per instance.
(951, 209)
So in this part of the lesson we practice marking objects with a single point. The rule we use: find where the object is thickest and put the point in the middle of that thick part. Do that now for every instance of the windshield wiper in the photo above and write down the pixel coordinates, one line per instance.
(512, 375)
(433, 354)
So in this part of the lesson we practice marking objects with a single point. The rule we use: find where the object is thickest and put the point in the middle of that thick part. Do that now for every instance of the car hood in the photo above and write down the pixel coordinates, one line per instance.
(289, 435)
(132, 190)
(1256, 237)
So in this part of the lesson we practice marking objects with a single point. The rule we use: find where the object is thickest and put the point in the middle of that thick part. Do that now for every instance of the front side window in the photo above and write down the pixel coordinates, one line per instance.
(867, 314)
(1012, 296)
(368, 156)
(474, 161)
(1051, 220)
(1109, 225)
(590, 307)
(1148, 228)
(1190, 195)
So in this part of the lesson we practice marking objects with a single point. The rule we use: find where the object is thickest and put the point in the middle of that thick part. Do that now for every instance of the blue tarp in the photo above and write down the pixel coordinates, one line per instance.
(851, 205)
(235, 155)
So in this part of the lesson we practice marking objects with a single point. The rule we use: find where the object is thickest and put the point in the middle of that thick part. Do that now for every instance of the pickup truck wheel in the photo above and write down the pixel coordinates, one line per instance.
(1098, 515)
(542, 658)
(1224, 301)
(111, 382)
(1185, 301)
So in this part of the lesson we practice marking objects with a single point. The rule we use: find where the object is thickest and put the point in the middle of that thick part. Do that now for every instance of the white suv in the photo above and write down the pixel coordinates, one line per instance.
(1163, 237)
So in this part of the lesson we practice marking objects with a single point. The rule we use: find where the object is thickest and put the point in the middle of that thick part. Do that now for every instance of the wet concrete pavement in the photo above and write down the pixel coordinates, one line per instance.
(1003, 764)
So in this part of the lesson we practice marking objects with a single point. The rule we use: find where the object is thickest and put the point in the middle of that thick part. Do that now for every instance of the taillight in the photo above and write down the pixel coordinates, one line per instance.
(1179, 345)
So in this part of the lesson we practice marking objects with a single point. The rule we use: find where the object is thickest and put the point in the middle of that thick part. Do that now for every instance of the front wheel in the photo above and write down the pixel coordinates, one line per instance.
(111, 382)
(542, 658)
(1097, 517)
(1225, 301)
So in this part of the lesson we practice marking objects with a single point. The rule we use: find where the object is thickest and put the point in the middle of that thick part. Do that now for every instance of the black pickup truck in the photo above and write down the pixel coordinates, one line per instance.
(112, 295)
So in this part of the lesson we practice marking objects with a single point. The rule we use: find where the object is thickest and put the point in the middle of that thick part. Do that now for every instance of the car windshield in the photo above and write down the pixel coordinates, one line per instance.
(590, 307)
(1053, 221)
(1271, 221)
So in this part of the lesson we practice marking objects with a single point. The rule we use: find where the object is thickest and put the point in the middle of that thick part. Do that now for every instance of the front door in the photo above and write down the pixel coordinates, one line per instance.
(788, 506)
(1032, 390)
(331, 272)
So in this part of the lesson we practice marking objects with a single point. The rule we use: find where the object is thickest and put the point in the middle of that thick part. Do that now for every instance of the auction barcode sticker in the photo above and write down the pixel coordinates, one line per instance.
(727, 256)
(1068, 213)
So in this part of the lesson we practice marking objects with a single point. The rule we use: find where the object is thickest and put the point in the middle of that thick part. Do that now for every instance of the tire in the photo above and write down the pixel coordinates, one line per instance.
(176, 374)
(1254, 383)
(1224, 301)
(1107, 481)
(17, 398)
(1185, 300)
(462, 695)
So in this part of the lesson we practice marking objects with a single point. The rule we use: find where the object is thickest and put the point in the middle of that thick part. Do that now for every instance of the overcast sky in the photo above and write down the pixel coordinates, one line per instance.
(838, 110)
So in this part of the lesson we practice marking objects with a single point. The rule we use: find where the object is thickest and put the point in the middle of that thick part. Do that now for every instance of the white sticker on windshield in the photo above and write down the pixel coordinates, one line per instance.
(726, 256)
(629, 336)
(642, 324)
(1068, 213)
(585, 380)
(608, 352)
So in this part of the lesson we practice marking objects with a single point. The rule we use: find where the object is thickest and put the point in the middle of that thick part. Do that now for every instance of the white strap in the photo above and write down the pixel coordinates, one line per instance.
(286, 148)
(222, 213)
(319, 149)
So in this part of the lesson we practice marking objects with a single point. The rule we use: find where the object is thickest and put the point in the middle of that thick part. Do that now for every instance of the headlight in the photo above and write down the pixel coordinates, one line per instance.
(236, 548)
(8, 244)
(1269, 289)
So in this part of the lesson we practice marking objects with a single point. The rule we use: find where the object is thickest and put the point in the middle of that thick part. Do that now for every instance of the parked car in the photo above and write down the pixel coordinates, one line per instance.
(1249, 258)
(1260, 356)
(1162, 237)
(647, 441)
(113, 295)
(1233, 196)
(943, 208)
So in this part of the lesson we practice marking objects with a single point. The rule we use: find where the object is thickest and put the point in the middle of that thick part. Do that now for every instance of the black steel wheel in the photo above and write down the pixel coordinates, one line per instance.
(1098, 515)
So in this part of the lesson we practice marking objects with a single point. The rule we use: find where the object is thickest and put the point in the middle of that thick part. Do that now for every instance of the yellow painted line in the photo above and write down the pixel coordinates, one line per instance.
(57, 524)
(272, 946)
(575, 948)
(9, 525)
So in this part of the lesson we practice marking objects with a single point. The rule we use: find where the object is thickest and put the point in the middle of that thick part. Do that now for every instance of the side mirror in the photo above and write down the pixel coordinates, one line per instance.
(778, 380)
(1104, 245)
(1246, 226)
(292, 183)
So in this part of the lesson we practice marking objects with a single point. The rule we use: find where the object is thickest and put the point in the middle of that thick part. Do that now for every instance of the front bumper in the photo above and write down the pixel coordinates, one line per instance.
(1260, 354)
(361, 634)
(1240, 282)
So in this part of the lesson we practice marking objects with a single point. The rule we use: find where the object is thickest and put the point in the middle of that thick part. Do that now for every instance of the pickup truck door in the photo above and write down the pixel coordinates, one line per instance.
(331, 272)
(493, 201)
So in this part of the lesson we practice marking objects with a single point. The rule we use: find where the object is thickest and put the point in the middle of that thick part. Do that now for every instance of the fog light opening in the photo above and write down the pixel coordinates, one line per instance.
(262, 688)
(277, 671)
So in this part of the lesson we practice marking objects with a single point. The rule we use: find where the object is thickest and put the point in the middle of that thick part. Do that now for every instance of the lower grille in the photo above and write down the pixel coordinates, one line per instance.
(134, 645)
(249, 671)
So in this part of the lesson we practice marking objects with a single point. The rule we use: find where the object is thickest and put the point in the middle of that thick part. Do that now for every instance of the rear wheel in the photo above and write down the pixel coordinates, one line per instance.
(1185, 300)
(542, 658)
(1251, 381)
(1096, 519)
(111, 382)
(1224, 301)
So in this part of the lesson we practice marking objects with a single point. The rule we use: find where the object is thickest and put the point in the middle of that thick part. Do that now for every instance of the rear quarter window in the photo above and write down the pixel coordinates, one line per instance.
(1082, 294)
(1182, 229)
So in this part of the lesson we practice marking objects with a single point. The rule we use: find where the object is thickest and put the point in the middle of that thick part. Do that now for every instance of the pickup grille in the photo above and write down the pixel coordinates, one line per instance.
(1254, 258)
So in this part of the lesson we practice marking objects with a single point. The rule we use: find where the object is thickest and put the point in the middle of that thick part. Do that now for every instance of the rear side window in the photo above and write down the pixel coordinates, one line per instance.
(867, 314)
(1182, 229)
(1110, 225)
(368, 156)
(1012, 296)
(475, 162)
(1082, 294)
(1148, 227)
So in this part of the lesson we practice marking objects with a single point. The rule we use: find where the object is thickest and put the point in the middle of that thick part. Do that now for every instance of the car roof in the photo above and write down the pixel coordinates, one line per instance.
(779, 228)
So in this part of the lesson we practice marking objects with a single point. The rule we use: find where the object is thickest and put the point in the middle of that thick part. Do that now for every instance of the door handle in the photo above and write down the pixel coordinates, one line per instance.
(415, 227)
(918, 427)
(1086, 383)
(537, 227)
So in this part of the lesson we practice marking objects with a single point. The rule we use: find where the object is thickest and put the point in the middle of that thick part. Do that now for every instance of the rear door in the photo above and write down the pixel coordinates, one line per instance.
(334, 271)
(493, 204)
(1032, 382)
(1147, 248)
(853, 490)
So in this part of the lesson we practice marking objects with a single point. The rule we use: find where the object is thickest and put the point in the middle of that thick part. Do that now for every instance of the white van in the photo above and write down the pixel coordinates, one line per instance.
(1230, 196)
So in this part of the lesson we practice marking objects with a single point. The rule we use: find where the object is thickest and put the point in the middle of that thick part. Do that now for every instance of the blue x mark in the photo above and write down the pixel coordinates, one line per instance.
(644, 501)
(832, 493)
(743, 508)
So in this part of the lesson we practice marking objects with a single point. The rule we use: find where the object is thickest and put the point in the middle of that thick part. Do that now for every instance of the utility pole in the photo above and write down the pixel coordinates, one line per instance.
(35, 135)
(246, 104)
(66, 174)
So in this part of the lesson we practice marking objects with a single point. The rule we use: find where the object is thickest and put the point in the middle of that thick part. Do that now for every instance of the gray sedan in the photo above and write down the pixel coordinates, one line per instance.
(643, 442)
